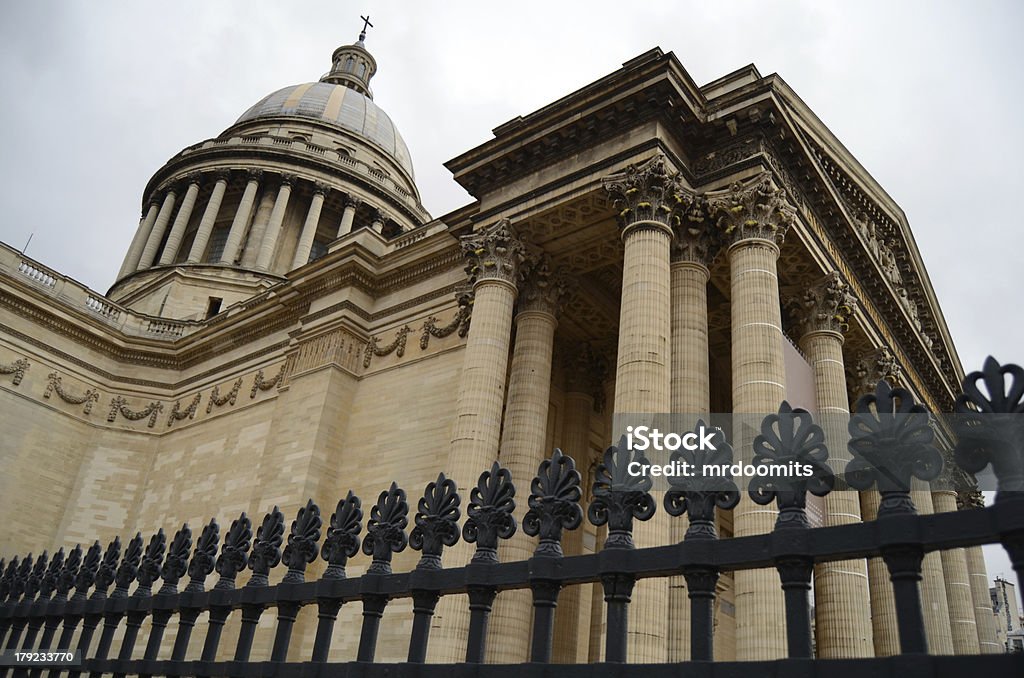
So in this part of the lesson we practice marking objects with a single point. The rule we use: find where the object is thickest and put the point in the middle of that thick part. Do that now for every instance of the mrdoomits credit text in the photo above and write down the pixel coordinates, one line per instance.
(644, 438)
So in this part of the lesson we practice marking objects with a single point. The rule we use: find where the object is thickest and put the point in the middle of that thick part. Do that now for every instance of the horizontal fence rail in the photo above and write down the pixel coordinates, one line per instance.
(41, 596)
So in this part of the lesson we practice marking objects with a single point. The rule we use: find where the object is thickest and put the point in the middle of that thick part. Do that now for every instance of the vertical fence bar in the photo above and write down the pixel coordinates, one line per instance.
(186, 623)
(423, 604)
(904, 563)
(250, 618)
(373, 610)
(700, 585)
(327, 614)
(286, 614)
(617, 591)
(481, 600)
(218, 617)
(545, 600)
(795, 574)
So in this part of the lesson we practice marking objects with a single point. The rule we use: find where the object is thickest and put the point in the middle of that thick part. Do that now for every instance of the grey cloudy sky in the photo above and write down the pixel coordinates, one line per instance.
(927, 95)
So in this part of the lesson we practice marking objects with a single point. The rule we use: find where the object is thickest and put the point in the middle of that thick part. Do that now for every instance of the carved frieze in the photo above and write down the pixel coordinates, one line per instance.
(397, 346)
(460, 321)
(17, 368)
(56, 386)
(218, 400)
(260, 383)
(189, 412)
(119, 405)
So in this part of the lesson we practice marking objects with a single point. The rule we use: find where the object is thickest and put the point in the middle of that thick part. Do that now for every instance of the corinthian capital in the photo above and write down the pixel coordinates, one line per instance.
(543, 288)
(826, 306)
(494, 253)
(751, 209)
(585, 370)
(871, 368)
(697, 240)
(645, 192)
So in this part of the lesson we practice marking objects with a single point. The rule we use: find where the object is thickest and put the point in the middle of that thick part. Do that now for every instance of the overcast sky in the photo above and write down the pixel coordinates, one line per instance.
(927, 95)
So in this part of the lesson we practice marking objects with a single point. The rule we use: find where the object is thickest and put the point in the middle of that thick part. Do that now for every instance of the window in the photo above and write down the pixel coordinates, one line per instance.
(362, 69)
(350, 64)
(213, 306)
(218, 239)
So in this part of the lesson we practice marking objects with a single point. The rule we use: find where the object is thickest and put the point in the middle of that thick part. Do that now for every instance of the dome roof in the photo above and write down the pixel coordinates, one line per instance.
(338, 105)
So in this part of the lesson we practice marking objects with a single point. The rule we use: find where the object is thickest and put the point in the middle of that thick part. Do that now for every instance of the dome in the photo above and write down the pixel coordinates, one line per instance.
(338, 105)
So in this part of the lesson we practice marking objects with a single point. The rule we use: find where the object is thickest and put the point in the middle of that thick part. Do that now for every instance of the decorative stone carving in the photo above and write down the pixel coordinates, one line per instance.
(254, 175)
(752, 209)
(217, 400)
(826, 306)
(872, 367)
(373, 347)
(120, 405)
(697, 240)
(494, 253)
(459, 322)
(544, 289)
(646, 192)
(88, 398)
(259, 383)
(177, 413)
(352, 201)
(321, 188)
(17, 368)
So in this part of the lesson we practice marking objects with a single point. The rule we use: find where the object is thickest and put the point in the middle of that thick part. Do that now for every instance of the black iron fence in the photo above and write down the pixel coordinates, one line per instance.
(42, 596)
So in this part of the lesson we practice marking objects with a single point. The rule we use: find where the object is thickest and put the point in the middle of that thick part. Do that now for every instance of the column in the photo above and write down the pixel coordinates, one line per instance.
(523, 440)
(863, 377)
(268, 246)
(241, 220)
(583, 374)
(962, 623)
(251, 248)
(379, 217)
(696, 245)
(842, 607)
(159, 226)
(983, 614)
(134, 255)
(195, 254)
(305, 245)
(348, 215)
(646, 196)
(755, 217)
(180, 222)
(494, 256)
(933, 587)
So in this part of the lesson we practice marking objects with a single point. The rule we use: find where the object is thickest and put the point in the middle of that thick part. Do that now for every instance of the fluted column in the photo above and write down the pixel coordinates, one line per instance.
(305, 245)
(181, 220)
(238, 225)
(933, 587)
(962, 623)
(842, 601)
(159, 227)
(494, 254)
(978, 574)
(863, 377)
(755, 217)
(523, 440)
(268, 246)
(251, 249)
(348, 216)
(696, 245)
(195, 255)
(134, 255)
(646, 196)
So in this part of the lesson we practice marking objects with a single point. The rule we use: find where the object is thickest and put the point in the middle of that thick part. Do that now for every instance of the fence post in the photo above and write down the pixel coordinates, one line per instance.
(233, 559)
(202, 564)
(94, 608)
(149, 572)
(385, 535)
(342, 543)
(266, 554)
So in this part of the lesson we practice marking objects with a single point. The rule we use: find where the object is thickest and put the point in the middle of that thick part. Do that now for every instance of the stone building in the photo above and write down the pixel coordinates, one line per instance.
(289, 322)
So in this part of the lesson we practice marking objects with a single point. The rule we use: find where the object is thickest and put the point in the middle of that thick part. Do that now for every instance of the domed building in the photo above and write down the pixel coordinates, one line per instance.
(290, 323)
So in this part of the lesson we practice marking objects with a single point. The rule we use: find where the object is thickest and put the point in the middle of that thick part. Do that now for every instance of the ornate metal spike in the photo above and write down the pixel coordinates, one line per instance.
(698, 494)
(490, 518)
(128, 570)
(891, 441)
(22, 574)
(554, 504)
(234, 554)
(205, 556)
(437, 522)
(385, 531)
(619, 496)
(87, 573)
(266, 550)
(149, 570)
(176, 563)
(108, 569)
(52, 576)
(342, 536)
(8, 579)
(303, 543)
(35, 575)
(793, 448)
(66, 580)
(990, 427)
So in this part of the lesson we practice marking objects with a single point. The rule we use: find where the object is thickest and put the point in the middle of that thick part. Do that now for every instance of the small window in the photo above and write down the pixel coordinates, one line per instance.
(213, 306)
(350, 64)
(362, 69)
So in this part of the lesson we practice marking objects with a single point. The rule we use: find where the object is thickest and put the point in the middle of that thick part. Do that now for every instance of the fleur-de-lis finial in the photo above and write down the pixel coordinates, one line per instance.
(35, 576)
(149, 569)
(554, 504)
(234, 554)
(266, 550)
(24, 571)
(792, 441)
(699, 493)
(385, 531)
(204, 557)
(303, 543)
(108, 569)
(891, 442)
(176, 563)
(8, 579)
(620, 496)
(437, 522)
(990, 426)
(129, 567)
(66, 579)
(87, 573)
(490, 518)
(342, 540)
